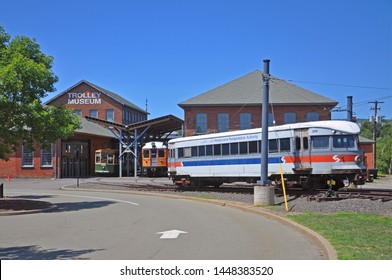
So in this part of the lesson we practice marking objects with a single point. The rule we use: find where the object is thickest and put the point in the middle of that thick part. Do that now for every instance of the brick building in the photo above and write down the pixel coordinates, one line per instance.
(86, 99)
(237, 105)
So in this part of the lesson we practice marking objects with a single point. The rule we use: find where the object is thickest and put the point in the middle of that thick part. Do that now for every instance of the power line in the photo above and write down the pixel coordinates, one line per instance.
(340, 85)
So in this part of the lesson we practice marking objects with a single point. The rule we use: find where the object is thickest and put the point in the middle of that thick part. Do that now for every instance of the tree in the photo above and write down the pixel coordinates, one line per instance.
(26, 77)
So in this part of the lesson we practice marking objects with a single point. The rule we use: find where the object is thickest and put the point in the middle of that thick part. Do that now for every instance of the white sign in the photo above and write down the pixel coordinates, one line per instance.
(170, 234)
(83, 98)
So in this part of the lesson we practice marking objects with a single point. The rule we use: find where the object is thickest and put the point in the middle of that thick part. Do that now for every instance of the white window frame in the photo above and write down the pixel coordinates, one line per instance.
(289, 117)
(201, 123)
(223, 122)
(46, 152)
(245, 121)
(107, 115)
(26, 153)
(91, 111)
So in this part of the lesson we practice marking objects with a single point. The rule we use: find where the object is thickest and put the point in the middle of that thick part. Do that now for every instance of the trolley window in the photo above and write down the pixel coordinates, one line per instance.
(217, 150)
(209, 150)
(110, 159)
(187, 152)
(298, 143)
(146, 153)
(273, 145)
(234, 148)
(180, 152)
(97, 157)
(194, 151)
(343, 141)
(243, 148)
(320, 142)
(161, 153)
(103, 158)
(305, 143)
(225, 149)
(253, 147)
(202, 151)
(285, 145)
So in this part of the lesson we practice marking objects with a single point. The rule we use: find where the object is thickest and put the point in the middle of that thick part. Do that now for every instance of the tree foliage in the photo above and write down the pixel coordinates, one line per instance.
(26, 77)
(383, 143)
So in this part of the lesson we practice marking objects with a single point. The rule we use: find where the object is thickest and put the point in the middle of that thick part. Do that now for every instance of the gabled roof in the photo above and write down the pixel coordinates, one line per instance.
(247, 90)
(109, 93)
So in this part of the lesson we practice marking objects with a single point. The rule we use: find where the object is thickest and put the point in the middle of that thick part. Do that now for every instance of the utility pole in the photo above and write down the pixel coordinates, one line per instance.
(264, 125)
(350, 108)
(375, 108)
(264, 193)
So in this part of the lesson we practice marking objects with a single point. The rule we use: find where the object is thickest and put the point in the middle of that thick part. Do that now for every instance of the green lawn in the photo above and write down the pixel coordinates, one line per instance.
(354, 236)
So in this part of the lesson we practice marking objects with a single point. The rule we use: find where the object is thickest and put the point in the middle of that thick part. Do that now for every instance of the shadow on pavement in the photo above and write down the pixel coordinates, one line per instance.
(33, 196)
(37, 253)
(81, 205)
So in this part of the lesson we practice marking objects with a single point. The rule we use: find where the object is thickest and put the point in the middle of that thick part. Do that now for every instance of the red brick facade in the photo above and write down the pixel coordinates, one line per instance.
(105, 102)
(14, 168)
(255, 111)
(84, 96)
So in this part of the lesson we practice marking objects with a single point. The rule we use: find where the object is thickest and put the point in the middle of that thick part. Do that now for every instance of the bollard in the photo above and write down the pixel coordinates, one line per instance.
(264, 195)
(1, 190)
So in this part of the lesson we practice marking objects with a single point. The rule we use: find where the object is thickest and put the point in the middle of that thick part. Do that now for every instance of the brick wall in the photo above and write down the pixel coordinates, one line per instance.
(106, 103)
(255, 111)
(367, 148)
(14, 169)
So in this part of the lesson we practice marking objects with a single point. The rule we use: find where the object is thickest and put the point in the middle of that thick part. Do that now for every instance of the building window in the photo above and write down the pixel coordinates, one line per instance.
(110, 115)
(201, 123)
(27, 156)
(271, 120)
(223, 122)
(290, 117)
(312, 116)
(245, 121)
(46, 157)
(77, 112)
(93, 113)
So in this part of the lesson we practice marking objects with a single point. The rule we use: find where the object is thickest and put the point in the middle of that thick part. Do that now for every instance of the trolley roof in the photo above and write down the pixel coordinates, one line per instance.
(340, 126)
(154, 145)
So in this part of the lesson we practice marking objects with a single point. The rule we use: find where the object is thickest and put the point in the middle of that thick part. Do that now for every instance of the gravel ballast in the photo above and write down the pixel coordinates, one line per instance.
(295, 204)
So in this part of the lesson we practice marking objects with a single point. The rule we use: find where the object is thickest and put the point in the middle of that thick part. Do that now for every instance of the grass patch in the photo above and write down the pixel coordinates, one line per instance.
(354, 236)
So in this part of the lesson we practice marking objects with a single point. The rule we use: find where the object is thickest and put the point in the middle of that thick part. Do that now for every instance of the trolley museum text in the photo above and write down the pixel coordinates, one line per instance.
(84, 98)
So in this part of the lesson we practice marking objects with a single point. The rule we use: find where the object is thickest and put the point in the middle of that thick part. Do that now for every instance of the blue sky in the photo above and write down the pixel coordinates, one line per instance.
(169, 51)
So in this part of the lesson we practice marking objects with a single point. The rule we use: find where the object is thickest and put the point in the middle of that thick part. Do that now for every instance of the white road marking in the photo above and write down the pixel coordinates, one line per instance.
(170, 234)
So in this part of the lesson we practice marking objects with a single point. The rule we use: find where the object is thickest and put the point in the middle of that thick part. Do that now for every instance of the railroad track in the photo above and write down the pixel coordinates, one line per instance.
(376, 194)
(312, 195)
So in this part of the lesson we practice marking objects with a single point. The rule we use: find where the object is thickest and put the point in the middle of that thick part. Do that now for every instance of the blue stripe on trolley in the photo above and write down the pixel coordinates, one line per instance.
(239, 161)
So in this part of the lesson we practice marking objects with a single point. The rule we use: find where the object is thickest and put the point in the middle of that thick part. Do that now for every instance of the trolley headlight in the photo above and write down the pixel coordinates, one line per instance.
(358, 160)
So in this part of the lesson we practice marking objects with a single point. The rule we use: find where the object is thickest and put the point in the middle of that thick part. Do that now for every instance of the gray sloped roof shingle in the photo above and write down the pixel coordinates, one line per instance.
(92, 128)
(247, 90)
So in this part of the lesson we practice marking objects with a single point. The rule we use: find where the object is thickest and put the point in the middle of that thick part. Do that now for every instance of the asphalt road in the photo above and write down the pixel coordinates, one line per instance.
(118, 226)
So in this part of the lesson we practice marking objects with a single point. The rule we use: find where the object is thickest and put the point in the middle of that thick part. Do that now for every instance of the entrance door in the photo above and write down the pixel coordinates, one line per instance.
(75, 160)
(302, 161)
(154, 158)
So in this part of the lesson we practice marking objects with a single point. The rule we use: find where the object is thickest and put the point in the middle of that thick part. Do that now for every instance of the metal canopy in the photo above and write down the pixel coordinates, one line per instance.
(157, 126)
(131, 134)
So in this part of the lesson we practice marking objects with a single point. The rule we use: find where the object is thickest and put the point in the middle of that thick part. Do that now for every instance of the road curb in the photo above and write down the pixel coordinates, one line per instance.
(25, 212)
(326, 248)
